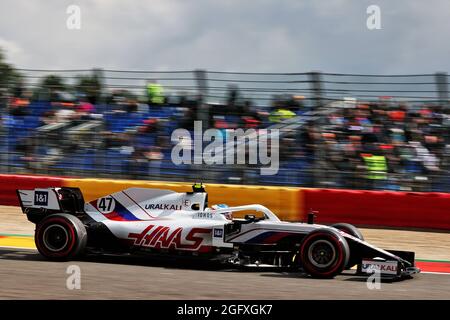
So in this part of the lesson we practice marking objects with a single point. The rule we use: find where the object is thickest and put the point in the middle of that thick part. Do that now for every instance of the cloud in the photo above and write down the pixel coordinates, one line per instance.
(11, 48)
(286, 36)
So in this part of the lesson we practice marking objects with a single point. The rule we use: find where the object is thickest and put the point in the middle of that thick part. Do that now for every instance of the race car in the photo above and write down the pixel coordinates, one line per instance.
(166, 223)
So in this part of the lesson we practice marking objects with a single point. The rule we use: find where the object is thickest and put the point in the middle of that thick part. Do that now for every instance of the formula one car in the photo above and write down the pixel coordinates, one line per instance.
(163, 222)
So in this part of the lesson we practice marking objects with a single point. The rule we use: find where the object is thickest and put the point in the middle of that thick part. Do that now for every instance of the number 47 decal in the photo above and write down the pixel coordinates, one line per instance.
(106, 204)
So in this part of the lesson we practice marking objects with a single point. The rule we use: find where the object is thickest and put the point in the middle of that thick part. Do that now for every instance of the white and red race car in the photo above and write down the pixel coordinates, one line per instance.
(164, 222)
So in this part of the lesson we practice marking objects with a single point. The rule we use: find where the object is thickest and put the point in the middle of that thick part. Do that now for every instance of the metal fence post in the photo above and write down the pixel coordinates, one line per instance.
(202, 88)
(99, 75)
(315, 78)
(442, 89)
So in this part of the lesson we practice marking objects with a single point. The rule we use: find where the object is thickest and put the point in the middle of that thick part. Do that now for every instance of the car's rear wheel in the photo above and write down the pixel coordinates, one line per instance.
(324, 253)
(353, 231)
(60, 237)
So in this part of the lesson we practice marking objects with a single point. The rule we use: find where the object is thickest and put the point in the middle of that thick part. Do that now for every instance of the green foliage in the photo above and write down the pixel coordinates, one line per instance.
(90, 85)
(10, 79)
(53, 83)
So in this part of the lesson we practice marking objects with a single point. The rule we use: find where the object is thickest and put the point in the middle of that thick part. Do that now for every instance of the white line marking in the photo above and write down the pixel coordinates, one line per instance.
(432, 272)
(7, 247)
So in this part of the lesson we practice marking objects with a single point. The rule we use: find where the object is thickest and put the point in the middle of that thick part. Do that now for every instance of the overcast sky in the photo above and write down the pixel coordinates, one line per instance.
(229, 35)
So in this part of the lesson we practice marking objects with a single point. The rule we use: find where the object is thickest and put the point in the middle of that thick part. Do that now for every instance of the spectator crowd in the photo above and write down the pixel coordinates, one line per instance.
(382, 144)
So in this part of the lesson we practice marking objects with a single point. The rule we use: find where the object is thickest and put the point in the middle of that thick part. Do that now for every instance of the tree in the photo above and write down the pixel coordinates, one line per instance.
(52, 84)
(10, 79)
(90, 85)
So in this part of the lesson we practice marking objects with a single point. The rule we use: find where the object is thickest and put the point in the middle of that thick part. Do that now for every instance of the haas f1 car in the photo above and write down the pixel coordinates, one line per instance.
(163, 222)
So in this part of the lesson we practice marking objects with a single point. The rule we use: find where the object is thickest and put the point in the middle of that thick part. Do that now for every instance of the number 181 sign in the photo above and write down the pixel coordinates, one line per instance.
(40, 198)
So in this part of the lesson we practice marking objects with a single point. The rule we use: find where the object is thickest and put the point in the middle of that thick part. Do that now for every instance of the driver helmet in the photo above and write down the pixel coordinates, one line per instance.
(227, 215)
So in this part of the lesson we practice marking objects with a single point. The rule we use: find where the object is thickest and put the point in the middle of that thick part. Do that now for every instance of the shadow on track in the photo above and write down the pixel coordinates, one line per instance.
(167, 262)
(180, 263)
(117, 259)
(20, 254)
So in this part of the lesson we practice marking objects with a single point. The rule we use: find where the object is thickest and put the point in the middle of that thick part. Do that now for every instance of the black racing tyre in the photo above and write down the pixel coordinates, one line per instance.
(349, 228)
(353, 231)
(60, 237)
(324, 253)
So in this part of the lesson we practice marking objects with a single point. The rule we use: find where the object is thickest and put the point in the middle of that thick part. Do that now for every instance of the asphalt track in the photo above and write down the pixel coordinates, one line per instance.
(24, 274)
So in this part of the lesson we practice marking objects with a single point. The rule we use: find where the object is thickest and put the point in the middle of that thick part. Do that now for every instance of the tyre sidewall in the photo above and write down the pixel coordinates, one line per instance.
(350, 229)
(353, 231)
(340, 246)
(76, 232)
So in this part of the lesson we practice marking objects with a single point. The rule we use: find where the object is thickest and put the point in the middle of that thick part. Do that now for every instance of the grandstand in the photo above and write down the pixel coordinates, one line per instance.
(338, 130)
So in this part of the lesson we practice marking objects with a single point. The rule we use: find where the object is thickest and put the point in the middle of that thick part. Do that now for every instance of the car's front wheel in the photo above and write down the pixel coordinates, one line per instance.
(350, 229)
(60, 237)
(324, 253)
(353, 231)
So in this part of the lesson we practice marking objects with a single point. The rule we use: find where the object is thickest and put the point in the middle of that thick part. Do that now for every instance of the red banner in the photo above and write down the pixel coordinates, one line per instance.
(9, 184)
(428, 210)
(425, 210)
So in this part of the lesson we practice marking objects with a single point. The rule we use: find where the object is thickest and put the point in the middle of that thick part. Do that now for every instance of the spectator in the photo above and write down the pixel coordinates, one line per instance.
(155, 94)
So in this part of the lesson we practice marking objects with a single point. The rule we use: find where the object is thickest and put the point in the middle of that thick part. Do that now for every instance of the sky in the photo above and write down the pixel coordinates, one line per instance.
(229, 35)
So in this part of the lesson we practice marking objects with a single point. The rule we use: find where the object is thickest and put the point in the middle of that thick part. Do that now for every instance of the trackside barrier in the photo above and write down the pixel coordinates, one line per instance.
(359, 207)
(285, 202)
(427, 210)
(9, 184)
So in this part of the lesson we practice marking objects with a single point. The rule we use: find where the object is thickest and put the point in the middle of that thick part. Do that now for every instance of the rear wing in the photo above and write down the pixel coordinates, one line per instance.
(39, 199)
(51, 199)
